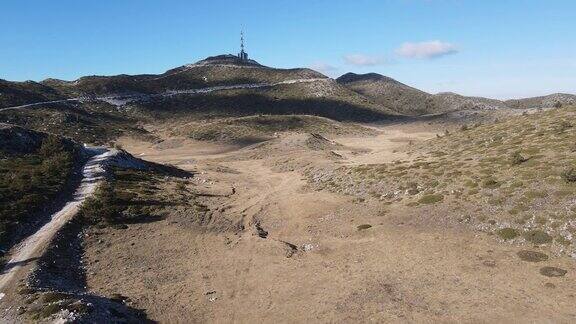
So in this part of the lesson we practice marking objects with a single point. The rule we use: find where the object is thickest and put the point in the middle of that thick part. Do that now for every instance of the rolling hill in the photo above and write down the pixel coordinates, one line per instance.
(101, 108)
(406, 100)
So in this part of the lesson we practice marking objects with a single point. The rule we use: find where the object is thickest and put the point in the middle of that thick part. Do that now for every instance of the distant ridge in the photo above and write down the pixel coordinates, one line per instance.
(407, 100)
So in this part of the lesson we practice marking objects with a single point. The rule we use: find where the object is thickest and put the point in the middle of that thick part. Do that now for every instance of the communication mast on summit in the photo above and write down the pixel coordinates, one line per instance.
(243, 56)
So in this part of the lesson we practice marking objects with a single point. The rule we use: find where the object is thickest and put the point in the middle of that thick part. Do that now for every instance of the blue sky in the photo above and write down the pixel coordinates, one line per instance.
(494, 48)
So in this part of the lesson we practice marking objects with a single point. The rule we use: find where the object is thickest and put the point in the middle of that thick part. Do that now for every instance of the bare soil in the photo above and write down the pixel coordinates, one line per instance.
(271, 248)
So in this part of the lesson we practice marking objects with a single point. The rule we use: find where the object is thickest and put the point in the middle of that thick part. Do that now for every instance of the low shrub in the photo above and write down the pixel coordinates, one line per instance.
(537, 237)
(532, 256)
(517, 158)
(490, 183)
(569, 175)
(431, 199)
(508, 233)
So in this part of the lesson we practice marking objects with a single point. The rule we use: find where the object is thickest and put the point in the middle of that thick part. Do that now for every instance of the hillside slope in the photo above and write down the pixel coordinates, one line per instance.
(399, 97)
(550, 101)
(34, 169)
(406, 100)
(21, 93)
(410, 101)
(217, 87)
(516, 179)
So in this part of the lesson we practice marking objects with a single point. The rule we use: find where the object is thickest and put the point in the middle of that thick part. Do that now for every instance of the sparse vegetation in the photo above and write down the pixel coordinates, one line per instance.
(510, 172)
(132, 196)
(263, 127)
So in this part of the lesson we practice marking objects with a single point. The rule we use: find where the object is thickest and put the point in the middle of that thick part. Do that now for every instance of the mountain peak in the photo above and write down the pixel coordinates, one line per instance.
(227, 59)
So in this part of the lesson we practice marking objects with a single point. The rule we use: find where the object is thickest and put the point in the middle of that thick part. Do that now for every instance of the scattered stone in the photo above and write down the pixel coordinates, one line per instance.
(308, 247)
(552, 272)
(532, 256)
(489, 263)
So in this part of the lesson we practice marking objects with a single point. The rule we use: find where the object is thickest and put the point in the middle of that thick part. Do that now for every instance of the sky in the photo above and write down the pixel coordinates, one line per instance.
(494, 48)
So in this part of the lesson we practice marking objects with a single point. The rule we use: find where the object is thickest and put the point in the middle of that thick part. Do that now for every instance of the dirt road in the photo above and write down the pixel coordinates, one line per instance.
(33, 247)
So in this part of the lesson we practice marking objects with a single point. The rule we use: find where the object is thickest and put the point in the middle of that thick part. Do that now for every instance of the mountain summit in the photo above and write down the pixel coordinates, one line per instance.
(228, 59)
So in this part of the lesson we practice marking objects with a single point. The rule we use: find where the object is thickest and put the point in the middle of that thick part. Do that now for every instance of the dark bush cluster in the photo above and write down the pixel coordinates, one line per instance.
(127, 197)
(28, 182)
(102, 206)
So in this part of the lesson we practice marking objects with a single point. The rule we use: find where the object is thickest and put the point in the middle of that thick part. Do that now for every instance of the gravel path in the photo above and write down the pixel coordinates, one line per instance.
(34, 246)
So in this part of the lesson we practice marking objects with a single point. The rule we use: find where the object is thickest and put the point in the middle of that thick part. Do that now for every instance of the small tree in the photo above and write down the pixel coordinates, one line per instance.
(558, 104)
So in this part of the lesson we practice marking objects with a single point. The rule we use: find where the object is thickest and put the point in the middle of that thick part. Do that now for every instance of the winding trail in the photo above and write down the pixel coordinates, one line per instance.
(34, 246)
(40, 103)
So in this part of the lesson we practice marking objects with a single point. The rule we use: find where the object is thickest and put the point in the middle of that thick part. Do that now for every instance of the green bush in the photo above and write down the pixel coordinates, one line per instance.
(490, 183)
(537, 237)
(517, 158)
(431, 199)
(101, 207)
(508, 233)
(569, 175)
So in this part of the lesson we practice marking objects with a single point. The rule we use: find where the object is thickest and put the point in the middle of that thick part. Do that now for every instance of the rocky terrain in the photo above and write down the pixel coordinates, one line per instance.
(228, 191)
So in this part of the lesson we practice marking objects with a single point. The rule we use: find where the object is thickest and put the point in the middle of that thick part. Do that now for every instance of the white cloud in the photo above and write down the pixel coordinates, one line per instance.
(323, 67)
(426, 50)
(364, 60)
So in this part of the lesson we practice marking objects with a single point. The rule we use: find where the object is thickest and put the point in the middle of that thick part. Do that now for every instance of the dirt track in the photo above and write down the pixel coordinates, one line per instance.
(23, 255)
(301, 257)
